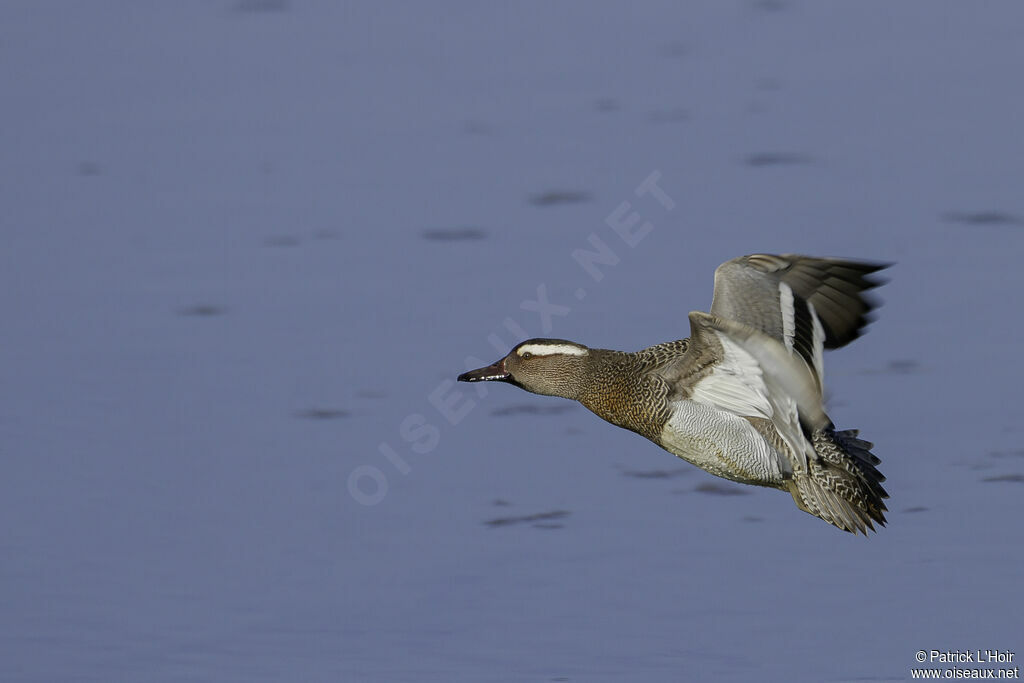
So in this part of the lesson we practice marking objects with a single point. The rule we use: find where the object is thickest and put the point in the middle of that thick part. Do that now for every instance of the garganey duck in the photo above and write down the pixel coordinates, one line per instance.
(742, 397)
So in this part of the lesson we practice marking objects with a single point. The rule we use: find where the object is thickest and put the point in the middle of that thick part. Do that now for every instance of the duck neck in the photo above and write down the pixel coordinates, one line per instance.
(618, 389)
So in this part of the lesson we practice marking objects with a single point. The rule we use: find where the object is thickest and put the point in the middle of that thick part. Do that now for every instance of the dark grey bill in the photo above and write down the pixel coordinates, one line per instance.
(492, 373)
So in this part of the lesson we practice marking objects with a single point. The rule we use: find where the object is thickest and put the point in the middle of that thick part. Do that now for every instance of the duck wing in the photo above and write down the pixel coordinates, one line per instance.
(807, 303)
(741, 370)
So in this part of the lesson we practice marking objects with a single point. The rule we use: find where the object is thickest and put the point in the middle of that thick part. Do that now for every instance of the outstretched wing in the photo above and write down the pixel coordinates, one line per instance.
(804, 302)
(736, 368)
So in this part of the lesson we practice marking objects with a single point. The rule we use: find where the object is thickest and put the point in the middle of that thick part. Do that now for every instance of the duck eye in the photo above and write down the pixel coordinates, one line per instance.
(526, 355)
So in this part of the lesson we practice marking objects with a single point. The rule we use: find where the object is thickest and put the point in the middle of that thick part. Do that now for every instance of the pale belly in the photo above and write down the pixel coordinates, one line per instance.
(721, 443)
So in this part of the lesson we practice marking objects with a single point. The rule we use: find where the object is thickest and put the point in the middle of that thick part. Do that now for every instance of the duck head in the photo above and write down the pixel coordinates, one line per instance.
(553, 367)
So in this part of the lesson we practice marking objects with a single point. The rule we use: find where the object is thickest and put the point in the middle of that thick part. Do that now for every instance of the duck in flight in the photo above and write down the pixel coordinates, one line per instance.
(743, 396)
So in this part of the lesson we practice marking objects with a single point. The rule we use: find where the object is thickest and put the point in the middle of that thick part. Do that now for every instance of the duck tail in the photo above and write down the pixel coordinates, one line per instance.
(842, 485)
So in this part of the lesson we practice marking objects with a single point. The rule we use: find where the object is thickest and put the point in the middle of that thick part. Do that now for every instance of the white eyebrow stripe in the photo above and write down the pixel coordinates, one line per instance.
(551, 349)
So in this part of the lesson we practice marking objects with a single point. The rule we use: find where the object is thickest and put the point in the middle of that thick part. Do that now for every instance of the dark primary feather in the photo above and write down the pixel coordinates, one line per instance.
(747, 291)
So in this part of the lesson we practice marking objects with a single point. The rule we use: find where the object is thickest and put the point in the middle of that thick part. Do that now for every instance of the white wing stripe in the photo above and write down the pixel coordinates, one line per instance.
(788, 314)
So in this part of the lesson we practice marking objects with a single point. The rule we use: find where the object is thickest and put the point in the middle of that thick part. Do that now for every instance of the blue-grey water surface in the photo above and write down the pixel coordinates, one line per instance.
(248, 245)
